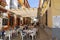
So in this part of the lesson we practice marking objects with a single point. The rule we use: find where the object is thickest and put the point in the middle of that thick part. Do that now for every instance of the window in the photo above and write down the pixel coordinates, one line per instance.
(11, 20)
(5, 21)
(18, 21)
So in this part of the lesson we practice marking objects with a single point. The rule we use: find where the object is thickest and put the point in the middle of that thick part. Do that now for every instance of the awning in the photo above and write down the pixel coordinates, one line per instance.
(2, 9)
(25, 12)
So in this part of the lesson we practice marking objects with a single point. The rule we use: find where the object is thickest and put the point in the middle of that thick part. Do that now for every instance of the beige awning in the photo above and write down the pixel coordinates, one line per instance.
(25, 12)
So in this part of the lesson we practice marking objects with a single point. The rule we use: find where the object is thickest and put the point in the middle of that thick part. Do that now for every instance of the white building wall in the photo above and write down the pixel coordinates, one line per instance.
(15, 3)
(8, 4)
(12, 4)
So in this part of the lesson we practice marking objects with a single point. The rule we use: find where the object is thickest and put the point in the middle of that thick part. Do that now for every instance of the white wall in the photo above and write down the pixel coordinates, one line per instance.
(15, 3)
(8, 4)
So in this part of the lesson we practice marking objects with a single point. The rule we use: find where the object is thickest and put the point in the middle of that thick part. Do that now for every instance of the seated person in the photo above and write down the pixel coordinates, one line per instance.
(17, 27)
(31, 26)
(25, 27)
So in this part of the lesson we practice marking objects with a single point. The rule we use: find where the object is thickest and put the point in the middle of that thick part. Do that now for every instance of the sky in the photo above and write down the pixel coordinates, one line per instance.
(33, 3)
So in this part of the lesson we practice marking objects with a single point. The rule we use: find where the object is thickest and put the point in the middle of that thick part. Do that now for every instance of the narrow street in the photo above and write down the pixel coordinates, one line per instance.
(42, 35)
(29, 19)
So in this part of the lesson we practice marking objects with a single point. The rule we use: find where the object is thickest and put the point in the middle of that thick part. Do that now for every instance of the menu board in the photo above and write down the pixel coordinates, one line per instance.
(56, 21)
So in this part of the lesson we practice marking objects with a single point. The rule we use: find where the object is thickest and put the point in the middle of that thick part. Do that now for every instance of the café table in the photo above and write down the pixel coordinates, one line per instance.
(31, 32)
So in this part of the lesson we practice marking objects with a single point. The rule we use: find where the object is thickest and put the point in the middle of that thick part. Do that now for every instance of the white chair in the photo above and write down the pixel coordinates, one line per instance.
(17, 31)
(33, 34)
(8, 34)
(23, 34)
(1, 39)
